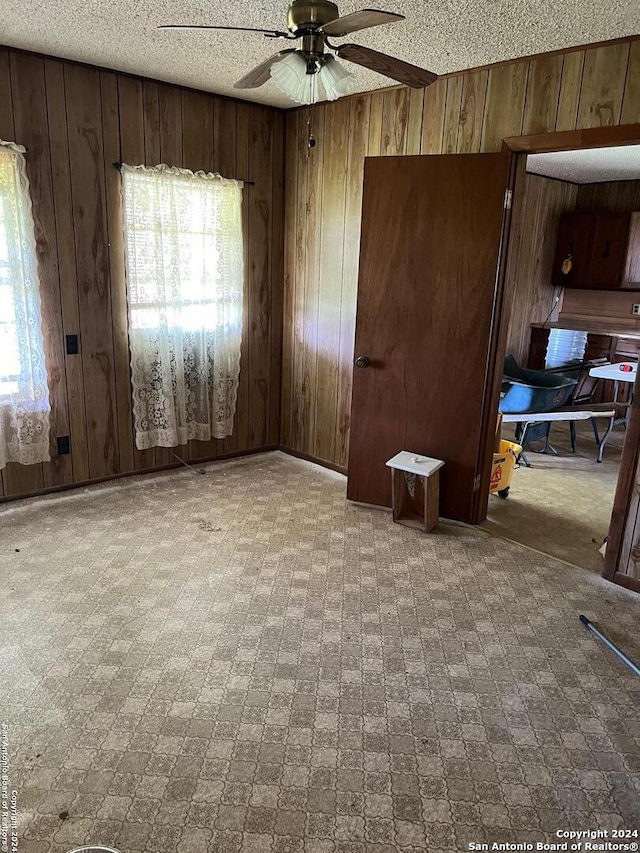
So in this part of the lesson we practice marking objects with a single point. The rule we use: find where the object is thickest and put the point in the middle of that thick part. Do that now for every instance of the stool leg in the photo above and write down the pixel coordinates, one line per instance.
(572, 432)
(431, 487)
(396, 496)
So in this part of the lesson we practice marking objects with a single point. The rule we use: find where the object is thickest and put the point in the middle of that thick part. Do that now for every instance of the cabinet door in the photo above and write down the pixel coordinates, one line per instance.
(608, 250)
(572, 249)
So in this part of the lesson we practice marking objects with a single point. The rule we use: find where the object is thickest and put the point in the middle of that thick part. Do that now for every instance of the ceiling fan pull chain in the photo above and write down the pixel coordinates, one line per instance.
(311, 140)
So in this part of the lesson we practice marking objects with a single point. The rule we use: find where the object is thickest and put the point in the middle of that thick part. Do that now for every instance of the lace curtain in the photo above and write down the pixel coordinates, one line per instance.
(184, 255)
(24, 395)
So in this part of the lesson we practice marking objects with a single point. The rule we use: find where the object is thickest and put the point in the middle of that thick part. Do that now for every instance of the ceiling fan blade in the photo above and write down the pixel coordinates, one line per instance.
(261, 73)
(397, 69)
(268, 33)
(360, 21)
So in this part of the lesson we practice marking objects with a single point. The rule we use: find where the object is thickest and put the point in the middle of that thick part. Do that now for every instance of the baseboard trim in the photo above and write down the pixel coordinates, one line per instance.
(317, 460)
(627, 581)
(172, 466)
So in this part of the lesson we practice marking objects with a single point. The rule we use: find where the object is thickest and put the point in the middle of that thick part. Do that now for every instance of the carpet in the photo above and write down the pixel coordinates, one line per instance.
(244, 661)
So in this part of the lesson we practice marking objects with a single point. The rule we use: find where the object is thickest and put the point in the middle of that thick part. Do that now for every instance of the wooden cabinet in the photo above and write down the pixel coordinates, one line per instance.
(599, 250)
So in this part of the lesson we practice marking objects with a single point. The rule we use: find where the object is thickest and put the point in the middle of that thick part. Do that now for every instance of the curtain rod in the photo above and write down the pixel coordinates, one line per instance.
(118, 165)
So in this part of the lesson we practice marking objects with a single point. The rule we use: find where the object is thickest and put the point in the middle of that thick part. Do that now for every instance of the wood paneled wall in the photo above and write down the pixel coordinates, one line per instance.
(76, 122)
(468, 112)
(532, 243)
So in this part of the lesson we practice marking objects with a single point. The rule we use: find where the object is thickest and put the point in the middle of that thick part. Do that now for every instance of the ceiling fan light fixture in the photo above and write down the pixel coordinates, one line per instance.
(290, 76)
(335, 79)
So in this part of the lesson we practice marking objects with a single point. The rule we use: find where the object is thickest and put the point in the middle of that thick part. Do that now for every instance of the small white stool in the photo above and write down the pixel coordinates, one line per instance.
(416, 495)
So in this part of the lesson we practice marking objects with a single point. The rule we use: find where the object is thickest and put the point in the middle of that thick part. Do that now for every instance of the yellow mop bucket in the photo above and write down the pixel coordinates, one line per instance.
(502, 468)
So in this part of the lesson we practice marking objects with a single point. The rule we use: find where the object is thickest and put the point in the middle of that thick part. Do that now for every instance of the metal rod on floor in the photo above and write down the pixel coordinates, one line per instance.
(632, 666)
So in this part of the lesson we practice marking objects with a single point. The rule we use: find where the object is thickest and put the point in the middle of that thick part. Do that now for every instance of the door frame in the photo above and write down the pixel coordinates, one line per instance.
(495, 357)
(622, 526)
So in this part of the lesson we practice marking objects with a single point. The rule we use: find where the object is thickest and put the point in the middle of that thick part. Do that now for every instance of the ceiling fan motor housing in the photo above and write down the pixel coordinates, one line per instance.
(310, 14)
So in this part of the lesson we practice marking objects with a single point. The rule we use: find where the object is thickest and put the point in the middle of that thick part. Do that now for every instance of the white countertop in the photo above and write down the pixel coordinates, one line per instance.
(414, 463)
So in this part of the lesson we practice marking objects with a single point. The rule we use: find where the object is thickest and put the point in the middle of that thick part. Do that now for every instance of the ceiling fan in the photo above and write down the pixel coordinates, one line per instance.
(297, 70)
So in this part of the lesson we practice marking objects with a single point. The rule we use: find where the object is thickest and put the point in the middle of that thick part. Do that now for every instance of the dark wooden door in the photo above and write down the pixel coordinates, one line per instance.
(428, 299)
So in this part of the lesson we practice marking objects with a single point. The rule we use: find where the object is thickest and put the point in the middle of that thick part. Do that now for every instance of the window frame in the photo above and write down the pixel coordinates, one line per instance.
(11, 264)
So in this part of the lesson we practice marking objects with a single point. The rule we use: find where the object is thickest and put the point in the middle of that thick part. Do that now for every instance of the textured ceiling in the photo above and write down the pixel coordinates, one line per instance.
(447, 36)
(588, 167)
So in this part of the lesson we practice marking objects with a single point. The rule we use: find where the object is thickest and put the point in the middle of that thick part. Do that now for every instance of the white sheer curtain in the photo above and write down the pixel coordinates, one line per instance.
(184, 255)
(24, 395)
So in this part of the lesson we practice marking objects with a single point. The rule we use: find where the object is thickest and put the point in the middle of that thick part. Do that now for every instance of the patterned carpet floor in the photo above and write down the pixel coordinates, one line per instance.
(244, 661)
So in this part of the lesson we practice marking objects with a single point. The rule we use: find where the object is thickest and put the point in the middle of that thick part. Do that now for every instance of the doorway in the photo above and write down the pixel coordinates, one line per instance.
(565, 505)
(405, 401)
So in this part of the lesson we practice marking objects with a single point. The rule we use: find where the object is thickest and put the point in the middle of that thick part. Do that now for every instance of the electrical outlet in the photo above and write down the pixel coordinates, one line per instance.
(635, 309)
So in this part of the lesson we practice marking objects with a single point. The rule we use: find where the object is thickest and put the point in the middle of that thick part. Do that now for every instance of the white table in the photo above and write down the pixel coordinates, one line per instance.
(569, 414)
(616, 375)
(613, 371)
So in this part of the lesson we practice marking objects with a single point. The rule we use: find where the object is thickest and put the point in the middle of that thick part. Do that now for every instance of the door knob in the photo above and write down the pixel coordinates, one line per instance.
(363, 361)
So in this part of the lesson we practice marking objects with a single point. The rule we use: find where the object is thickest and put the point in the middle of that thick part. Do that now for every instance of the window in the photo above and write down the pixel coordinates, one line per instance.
(184, 257)
(24, 395)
